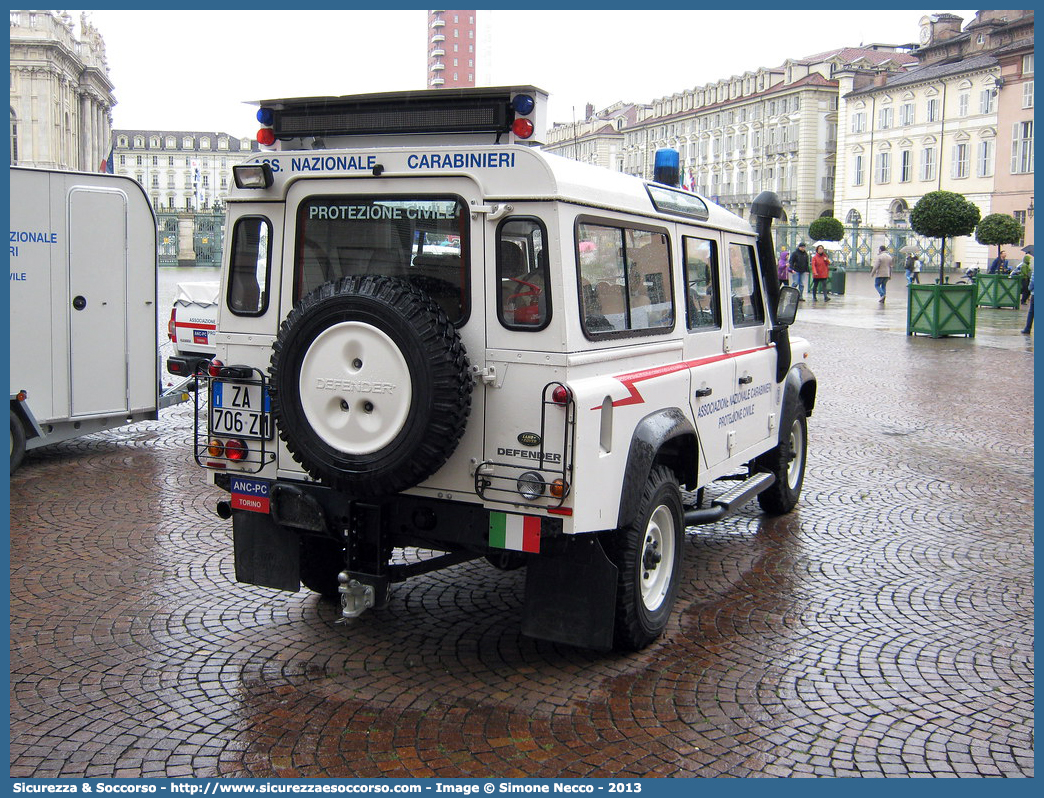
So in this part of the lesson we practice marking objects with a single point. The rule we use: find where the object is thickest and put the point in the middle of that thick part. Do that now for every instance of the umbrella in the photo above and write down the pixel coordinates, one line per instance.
(826, 244)
(910, 249)
(1028, 249)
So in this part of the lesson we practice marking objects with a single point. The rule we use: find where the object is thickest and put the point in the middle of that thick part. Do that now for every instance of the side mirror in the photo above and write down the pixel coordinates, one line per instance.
(786, 308)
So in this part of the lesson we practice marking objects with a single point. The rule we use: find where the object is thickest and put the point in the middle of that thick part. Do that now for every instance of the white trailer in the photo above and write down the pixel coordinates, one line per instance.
(84, 355)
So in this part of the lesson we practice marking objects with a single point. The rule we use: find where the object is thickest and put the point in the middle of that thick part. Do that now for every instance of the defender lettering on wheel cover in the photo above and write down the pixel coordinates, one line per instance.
(370, 385)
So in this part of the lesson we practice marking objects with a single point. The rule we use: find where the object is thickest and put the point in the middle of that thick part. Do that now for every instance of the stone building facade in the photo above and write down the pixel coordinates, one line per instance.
(938, 126)
(180, 170)
(61, 96)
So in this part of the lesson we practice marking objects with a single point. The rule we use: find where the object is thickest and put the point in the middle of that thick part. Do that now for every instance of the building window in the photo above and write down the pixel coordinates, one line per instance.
(1022, 148)
(987, 101)
(933, 110)
(857, 172)
(139, 142)
(139, 160)
(960, 160)
(1027, 64)
(154, 142)
(155, 181)
(1027, 94)
(962, 104)
(905, 166)
(170, 181)
(186, 142)
(984, 161)
(884, 118)
(906, 114)
(859, 122)
(884, 167)
(928, 163)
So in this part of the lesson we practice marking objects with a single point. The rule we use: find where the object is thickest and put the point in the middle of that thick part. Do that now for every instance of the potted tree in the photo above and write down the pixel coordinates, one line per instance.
(997, 290)
(942, 309)
(827, 228)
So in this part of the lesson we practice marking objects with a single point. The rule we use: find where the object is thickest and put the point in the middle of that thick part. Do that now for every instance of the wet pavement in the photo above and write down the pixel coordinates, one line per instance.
(884, 628)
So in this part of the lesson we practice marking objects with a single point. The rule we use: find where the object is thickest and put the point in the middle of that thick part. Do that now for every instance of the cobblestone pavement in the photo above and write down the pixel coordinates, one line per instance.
(885, 628)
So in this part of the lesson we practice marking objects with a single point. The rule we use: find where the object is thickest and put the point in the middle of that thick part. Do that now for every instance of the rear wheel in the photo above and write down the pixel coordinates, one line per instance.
(647, 554)
(787, 461)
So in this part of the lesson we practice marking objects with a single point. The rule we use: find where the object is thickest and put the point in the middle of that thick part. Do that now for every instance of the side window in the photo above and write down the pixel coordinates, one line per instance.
(248, 276)
(522, 274)
(747, 307)
(703, 307)
(625, 280)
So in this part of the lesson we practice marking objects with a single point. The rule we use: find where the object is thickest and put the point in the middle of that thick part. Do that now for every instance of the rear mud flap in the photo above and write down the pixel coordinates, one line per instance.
(571, 596)
(266, 554)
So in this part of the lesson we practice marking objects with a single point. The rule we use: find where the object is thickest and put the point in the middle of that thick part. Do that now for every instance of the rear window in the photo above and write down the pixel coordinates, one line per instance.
(251, 260)
(422, 240)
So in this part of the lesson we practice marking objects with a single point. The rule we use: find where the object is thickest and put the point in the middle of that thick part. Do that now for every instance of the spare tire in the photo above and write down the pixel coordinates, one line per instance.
(370, 385)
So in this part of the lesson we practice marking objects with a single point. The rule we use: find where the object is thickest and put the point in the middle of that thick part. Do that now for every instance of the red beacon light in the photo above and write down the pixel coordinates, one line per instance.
(522, 128)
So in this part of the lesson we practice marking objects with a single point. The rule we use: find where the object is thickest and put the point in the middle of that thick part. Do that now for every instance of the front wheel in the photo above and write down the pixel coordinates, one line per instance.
(787, 461)
(648, 556)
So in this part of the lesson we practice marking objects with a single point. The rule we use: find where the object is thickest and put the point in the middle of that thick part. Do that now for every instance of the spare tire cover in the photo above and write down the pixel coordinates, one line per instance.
(371, 387)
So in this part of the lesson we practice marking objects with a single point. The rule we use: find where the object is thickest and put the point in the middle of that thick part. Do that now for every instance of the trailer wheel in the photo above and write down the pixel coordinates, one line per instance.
(322, 559)
(787, 461)
(371, 387)
(648, 556)
(17, 441)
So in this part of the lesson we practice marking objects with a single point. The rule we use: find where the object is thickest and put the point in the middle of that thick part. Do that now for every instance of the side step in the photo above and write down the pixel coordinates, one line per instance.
(731, 500)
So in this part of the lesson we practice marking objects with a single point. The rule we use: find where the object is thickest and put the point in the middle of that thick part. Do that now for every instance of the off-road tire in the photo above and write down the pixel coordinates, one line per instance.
(787, 460)
(648, 555)
(348, 337)
(321, 560)
(17, 442)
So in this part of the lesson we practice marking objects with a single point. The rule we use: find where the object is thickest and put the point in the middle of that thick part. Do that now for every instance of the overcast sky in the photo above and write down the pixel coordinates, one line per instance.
(193, 70)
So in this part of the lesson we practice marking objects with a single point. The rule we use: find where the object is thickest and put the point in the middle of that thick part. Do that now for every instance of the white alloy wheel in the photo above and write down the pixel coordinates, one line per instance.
(656, 563)
(796, 468)
(355, 388)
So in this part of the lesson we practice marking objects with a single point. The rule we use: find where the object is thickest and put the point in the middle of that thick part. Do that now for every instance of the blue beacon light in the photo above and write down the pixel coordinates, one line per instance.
(666, 170)
(523, 104)
(265, 116)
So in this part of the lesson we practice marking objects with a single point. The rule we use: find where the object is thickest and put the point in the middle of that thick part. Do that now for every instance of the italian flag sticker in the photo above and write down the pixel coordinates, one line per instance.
(514, 532)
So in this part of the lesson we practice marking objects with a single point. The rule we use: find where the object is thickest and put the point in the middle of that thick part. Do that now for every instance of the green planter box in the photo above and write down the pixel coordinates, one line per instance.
(998, 291)
(940, 310)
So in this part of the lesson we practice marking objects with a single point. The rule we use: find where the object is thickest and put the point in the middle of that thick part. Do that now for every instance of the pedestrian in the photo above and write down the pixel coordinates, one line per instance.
(820, 272)
(1026, 274)
(998, 263)
(911, 259)
(1029, 315)
(882, 271)
(783, 266)
(917, 269)
(799, 268)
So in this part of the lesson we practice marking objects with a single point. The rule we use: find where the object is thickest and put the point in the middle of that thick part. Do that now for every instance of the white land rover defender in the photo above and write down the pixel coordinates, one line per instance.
(435, 337)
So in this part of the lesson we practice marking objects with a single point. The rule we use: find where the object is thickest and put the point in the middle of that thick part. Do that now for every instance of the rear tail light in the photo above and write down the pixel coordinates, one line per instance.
(172, 333)
(558, 488)
(561, 395)
(215, 448)
(235, 450)
(214, 369)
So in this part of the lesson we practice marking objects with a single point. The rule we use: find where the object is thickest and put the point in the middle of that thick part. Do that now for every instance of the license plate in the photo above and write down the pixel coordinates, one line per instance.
(239, 409)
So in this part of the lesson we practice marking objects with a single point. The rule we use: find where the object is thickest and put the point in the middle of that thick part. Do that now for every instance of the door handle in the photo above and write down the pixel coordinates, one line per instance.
(746, 380)
(704, 392)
